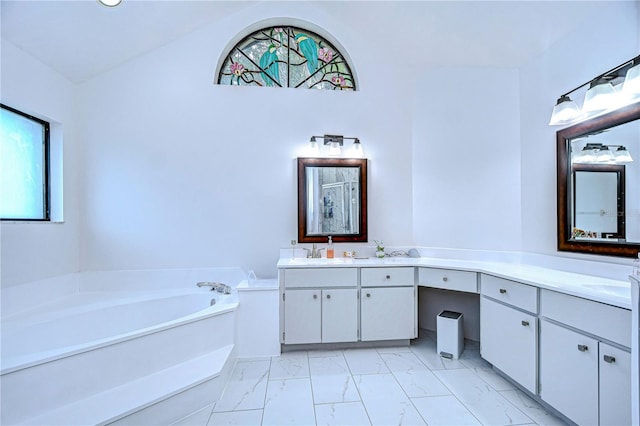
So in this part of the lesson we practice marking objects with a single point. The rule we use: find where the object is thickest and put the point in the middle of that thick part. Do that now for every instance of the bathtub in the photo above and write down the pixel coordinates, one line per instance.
(102, 355)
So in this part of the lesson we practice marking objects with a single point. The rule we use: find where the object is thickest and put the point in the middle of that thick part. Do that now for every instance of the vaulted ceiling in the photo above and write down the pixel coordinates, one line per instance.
(81, 39)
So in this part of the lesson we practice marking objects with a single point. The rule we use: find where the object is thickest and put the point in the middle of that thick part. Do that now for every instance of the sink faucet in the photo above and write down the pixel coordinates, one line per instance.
(315, 252)
(219, 287)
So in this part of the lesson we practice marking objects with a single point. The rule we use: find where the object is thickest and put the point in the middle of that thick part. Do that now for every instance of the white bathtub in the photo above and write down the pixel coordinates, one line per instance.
(71, 361)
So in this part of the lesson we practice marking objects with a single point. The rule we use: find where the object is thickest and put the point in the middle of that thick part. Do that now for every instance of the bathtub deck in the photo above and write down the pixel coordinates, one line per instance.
(122, 401)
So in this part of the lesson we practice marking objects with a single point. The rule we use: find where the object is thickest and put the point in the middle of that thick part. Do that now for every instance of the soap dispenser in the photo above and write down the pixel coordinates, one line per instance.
(330, 248)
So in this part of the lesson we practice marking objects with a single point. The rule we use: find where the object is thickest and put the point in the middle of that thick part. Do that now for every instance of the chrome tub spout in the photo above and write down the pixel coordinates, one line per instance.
(219, 287)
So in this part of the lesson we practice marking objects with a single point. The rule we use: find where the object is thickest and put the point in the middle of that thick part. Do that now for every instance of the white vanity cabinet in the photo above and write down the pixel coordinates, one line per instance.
(388, 304)
(319, 305)
(585, 368)
(509, 328)
(347, 304)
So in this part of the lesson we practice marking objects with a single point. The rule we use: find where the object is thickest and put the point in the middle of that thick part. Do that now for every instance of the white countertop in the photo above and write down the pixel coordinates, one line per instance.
(604, 290)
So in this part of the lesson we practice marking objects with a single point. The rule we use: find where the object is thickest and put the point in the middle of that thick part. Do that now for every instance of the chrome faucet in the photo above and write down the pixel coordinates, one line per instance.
(219, 287)
(315, 252)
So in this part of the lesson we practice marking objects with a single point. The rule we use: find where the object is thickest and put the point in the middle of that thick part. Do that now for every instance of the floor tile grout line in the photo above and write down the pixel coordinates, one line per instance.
(472, 370)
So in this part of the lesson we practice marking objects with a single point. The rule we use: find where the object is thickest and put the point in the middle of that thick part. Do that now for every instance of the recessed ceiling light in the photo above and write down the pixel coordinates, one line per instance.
(110, 3)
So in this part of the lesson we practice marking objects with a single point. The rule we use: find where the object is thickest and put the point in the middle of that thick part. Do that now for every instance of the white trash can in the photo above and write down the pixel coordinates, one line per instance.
(450, 337)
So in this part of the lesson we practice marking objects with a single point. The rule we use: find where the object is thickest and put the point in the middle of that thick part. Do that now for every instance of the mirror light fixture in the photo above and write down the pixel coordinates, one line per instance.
(614, 89)
(110, 3)
(598, 153)
(333, 147)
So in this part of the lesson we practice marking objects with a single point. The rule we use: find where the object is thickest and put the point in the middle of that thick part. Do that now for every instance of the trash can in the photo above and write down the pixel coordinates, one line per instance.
(450, 337)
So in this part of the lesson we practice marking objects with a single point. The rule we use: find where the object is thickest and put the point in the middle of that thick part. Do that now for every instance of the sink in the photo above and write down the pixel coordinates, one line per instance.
(317, 261)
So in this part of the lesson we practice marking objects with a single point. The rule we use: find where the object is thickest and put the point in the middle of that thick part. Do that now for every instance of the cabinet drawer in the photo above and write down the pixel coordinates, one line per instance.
(449, 279)
(321, 277)
(387, 277)
(513, 293)
(606, 321)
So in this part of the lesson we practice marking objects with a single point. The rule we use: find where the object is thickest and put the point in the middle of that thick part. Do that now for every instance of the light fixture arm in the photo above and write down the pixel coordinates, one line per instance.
(339, 139)
(624, 66)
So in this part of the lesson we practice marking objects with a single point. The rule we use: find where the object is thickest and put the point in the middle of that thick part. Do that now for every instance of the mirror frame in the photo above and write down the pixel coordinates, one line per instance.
(564, 208)
(303, 163)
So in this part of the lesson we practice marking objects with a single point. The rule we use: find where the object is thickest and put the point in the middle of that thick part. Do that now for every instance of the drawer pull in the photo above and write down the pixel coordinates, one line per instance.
(445, 279)
(328, 296)
(388, 277)
(368, 294)
(315, 296)
(610, 359)
(583, 348)
(525, 323)
(503, 290)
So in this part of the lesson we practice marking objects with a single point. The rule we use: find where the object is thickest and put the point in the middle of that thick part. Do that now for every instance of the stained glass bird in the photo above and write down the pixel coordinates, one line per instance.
(309, 51)
(268, 62)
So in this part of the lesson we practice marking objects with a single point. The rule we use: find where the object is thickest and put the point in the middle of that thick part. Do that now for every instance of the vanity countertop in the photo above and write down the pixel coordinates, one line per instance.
(604, 290)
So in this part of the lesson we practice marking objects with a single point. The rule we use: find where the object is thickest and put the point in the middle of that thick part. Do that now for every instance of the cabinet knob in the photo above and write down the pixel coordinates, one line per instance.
(503, 290)
(315, 296)
(328, 296)
(368, 294)
(610, 359)
(525, 323)
(583, 348)
(388, 277)
(445, 279)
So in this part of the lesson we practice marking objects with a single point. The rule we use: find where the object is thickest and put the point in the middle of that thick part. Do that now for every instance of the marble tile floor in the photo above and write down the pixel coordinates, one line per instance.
(385, 386)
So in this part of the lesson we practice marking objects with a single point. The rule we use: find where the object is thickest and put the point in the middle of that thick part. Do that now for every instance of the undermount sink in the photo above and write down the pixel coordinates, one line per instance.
(316, 261)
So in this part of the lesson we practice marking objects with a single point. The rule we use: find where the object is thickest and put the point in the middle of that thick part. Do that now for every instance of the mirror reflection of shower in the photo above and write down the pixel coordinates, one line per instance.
(333, 202)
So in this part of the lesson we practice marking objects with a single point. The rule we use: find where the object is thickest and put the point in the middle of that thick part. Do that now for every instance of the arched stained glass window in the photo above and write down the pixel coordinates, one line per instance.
(286, 56)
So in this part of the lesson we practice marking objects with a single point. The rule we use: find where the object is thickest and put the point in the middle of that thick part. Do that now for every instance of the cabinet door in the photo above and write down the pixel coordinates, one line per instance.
(302, 315)
(615, 385)
(340, 315)
(569, 373)
(387, 313)
(509, 341)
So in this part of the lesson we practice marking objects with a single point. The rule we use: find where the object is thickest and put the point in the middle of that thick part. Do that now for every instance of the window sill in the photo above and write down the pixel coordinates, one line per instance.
(32, 222)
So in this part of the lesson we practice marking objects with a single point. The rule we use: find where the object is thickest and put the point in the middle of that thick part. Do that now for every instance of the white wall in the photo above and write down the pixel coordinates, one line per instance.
(591, 50)
(31, 250)
(466, 159)
(180, 172)
(169, 170)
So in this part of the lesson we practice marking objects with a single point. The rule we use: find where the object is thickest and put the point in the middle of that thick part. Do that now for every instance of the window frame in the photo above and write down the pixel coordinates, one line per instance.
(288, 29)
(46, 190)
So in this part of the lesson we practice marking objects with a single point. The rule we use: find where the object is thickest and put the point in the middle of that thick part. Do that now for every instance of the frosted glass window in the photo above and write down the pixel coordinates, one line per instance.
(284, 56)
(24, 145)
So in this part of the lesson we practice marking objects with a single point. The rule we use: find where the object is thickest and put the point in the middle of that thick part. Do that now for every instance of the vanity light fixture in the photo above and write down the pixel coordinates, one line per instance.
(631, 85)
(598, 153)
(565, 111)
(333, 147)
(600, 96)
(614, 89)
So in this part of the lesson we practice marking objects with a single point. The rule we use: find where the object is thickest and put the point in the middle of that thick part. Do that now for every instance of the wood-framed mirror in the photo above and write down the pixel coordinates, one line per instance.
(599, 202)
(332, 200)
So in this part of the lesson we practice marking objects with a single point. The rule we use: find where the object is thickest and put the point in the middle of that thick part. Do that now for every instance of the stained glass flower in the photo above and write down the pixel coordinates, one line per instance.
(338, 80)
(325, 54)
(237, 69)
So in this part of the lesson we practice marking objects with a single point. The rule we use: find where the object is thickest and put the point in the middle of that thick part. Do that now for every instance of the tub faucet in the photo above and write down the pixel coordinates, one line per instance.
(219, 287)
